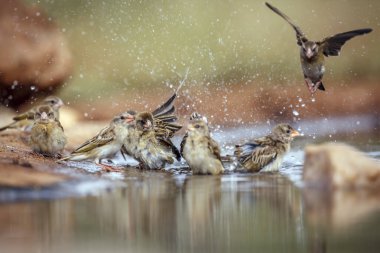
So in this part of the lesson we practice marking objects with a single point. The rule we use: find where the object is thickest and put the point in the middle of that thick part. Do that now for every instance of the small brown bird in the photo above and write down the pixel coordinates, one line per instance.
(164, 126)
(47, 136)
(106, 143)
(266, 153)
(150, 149)
(313, 53)
(25, 120)
(201, 152)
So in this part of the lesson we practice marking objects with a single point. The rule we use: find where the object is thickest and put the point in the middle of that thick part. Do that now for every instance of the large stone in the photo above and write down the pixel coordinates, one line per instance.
(337, 165)
(35, 58)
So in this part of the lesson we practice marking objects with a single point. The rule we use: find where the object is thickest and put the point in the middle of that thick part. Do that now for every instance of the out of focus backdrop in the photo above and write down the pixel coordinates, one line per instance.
(243, 59)
(244, 74)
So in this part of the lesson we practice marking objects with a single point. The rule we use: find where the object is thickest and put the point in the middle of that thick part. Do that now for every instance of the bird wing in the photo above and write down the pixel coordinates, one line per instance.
(59, 124)
(26, 115)
(166, 107)
(164, 119)
(332, 45)
(183, 142)
(165, 129)
(168, 144)
(263, 155)
(214, 148)
(105, 136)
(255, 156)
(299, 34)
(260, 152)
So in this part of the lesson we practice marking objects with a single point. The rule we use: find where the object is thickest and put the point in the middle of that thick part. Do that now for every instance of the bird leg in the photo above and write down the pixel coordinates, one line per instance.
(108, 168)
(311, 86)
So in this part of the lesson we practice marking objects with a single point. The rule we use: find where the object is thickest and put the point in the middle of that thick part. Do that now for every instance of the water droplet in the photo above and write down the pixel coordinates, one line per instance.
(313, 100)
(32, 87)
(15, 83)
(295, 113)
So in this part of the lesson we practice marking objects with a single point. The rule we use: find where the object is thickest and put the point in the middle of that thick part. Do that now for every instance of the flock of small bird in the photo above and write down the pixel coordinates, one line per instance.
(146, 136)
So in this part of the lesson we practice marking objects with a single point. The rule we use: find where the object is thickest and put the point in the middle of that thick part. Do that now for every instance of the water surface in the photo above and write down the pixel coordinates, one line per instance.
(164, 212)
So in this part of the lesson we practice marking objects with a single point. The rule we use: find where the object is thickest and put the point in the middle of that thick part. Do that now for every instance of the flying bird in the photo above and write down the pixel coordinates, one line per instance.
(266, 153)
(313, 53)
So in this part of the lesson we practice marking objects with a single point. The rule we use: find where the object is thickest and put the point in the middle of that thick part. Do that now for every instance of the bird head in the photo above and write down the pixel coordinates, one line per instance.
(197, 116)
(54, 102)
(44, 114)
(285, 132)
(127, 118)
(198, 127)
(309, 49)
(144, 121)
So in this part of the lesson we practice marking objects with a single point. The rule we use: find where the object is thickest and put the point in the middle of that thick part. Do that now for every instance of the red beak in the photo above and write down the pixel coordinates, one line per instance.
(129, 118)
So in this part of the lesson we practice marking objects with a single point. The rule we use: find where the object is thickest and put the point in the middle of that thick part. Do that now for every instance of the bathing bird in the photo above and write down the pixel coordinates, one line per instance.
(106, 143)
(147, 146)
(266, 153)
(47, 135)
(201, 152)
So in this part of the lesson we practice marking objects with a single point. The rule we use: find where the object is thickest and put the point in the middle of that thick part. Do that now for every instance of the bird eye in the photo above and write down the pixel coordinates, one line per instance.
(122, 117)
(197, 126)
(288, 131)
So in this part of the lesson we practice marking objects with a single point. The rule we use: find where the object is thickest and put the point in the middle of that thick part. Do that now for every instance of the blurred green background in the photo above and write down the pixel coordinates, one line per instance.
(119, 46)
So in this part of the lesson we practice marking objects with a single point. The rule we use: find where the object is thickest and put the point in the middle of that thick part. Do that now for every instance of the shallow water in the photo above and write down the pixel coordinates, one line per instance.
(164, 212)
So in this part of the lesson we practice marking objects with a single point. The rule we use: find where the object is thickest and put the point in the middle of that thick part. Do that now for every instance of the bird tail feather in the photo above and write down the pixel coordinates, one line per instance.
(321, 87)
(11, 125)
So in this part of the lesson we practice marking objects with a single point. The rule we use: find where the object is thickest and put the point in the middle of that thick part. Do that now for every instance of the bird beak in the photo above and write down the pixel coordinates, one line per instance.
(129, 118)
(295, 133)
(60, 104)
(147, 125)
(309, 53)
(190, 127)
(44, 116)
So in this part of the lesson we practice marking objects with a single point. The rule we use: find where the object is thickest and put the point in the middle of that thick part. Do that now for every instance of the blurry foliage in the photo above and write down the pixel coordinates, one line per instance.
(123, 44)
